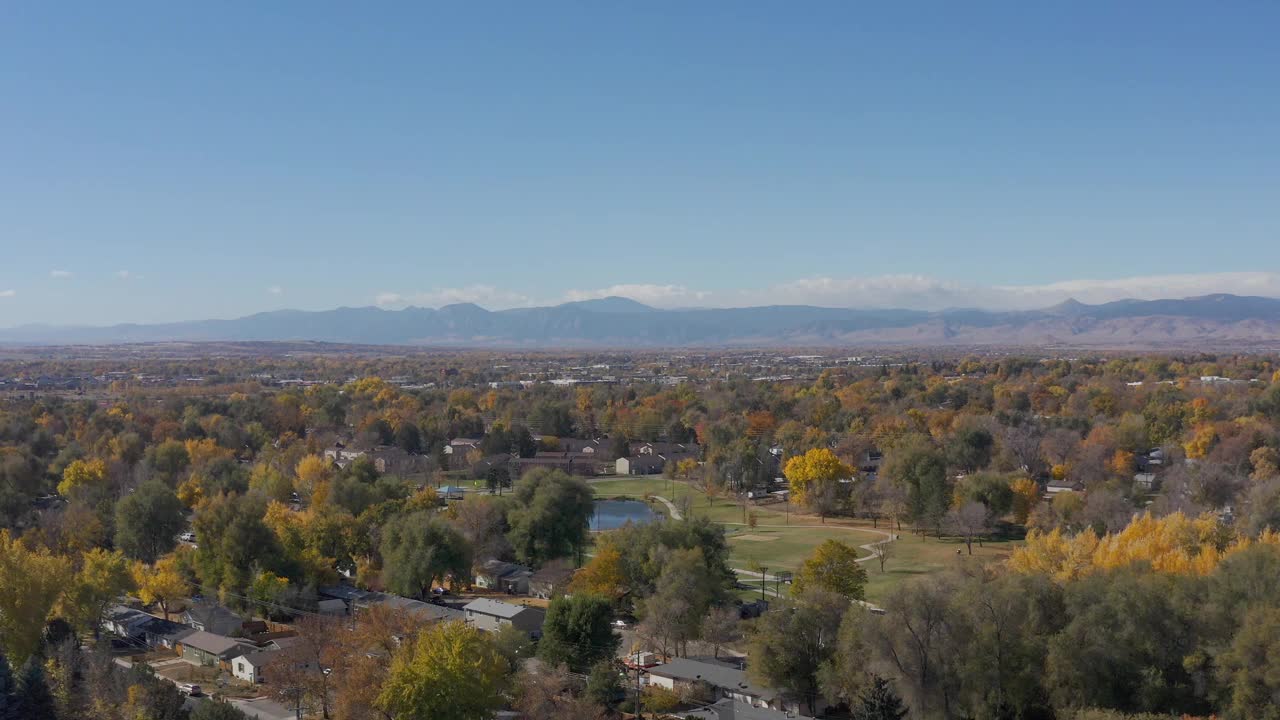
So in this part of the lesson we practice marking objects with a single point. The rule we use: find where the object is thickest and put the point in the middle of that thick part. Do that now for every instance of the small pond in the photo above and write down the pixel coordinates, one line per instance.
(613, 514)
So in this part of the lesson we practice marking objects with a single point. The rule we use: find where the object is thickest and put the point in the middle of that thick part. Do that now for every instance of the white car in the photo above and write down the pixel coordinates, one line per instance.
(188, 536)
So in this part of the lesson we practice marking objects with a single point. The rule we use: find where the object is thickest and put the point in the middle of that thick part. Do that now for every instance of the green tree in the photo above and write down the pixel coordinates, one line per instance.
(916, 466)
(790, 645)
(419, 550)
(681, 598)
(35, 700)
(832, 567)
(450, 672)
(217, 710)
(550, 516)
(148, 521)
(878, 702)
(604, 682)
(1250, 668)
(9, 708)
(578, 632)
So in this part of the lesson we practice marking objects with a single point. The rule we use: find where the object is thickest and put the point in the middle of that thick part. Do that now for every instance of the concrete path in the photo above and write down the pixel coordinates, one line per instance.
(671, 507)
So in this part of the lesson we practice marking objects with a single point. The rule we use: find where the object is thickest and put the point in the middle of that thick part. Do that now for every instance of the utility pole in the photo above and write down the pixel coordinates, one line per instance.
(637, 708)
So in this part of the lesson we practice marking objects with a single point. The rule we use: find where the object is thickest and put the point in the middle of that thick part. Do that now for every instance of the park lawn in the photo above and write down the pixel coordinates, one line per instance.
(912, 556)
(785, 548)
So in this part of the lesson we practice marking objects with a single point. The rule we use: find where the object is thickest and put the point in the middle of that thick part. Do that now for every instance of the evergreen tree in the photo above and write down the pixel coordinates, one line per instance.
(879, 702)
(35, 701)
(8, 699)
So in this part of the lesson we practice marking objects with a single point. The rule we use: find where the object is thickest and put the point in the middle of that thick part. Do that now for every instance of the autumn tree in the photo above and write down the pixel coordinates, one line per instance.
(31, 582)
(160, 584)
(450, 672)
(102, 578)
(82, 475)
(814, 478)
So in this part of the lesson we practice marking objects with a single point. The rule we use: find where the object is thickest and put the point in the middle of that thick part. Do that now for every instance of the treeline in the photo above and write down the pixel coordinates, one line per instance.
(1129, 632)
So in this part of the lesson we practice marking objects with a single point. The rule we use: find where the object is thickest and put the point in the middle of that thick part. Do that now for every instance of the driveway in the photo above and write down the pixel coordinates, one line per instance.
(264, 709)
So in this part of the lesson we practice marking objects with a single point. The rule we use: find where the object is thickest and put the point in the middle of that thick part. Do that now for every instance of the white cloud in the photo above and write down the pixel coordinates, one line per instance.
(486, 296)
(60, 274)
(126, 275)
(275, 290)
(8, 293)
(922, 292)
(649, 294)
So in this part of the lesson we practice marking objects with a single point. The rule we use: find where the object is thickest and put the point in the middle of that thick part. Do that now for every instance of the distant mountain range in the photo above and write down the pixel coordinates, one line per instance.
(1211, 320)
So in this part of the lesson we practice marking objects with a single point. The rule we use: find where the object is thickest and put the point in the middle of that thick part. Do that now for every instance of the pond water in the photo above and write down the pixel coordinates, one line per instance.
(613, 514)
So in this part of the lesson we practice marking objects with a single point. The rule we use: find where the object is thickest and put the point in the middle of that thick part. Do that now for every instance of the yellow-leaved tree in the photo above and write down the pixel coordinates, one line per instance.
(833, 567)
(82, 474)
(812, 473)
(102, 578)
(313, 473)
(30, 583)
(602, 576)
(1026, 495)
(450, 671)
(161, 584)
(1171, 544)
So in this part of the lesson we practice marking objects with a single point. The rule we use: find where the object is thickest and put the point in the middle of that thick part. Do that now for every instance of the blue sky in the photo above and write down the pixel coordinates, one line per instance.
(164, 161)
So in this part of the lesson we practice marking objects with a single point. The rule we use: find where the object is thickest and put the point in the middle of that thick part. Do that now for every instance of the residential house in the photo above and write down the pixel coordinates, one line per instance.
(725, 680)
(550, 581)
(598, 448)
(143, 630)
(730, 709)
(504, 577)
(387, 459)
(1065, 485)
(1144, 481)
(639, 465)
(360, 599)
(665, 448)
(570, 463)
(462, 446)
(493, 615)
(648, 464)
(331, 606)
(256, 665)
(251, 667)
(210, 649)
(213, 618)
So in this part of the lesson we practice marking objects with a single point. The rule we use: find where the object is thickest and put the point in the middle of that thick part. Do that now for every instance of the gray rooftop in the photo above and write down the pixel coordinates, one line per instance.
(496, 608)
(210, 643)
(715, 674)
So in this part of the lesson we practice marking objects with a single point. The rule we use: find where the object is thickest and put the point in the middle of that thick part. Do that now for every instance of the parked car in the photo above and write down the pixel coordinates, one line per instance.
(188, 536)
(189, 689)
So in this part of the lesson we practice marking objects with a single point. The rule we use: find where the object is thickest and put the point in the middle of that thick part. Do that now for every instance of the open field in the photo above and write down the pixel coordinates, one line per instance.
(782, 540)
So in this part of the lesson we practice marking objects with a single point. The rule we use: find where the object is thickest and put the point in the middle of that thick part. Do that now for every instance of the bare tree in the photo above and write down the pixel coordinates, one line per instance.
(302, 675)
(720, 627)
(969, 521)
(881, 552)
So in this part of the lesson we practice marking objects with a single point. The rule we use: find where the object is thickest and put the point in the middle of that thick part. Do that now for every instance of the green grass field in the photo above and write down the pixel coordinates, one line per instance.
(782, 540)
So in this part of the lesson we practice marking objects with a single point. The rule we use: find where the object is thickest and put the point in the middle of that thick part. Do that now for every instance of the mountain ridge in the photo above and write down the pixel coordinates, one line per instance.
(623, 322)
